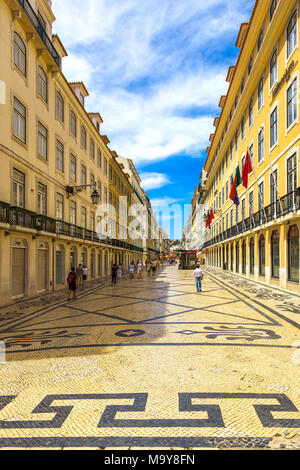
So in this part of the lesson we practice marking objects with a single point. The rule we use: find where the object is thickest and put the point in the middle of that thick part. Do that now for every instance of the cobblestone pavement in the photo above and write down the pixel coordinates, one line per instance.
(152, 364)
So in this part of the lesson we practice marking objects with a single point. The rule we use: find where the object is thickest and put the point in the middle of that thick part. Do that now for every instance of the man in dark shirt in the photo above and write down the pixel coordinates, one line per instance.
(114, 270)
(72, 277)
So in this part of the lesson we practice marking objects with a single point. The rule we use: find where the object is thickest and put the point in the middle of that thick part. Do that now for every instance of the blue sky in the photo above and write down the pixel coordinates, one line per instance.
(155, 70)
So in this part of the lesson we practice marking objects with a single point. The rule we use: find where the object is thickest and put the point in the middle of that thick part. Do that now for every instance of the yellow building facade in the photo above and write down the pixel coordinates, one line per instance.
(49, 146)
(259, 238)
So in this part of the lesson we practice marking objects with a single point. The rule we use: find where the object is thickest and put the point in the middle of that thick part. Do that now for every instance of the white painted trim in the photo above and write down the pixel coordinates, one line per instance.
(288, 85)
(276, 48)
(288, 58)
(275, 105)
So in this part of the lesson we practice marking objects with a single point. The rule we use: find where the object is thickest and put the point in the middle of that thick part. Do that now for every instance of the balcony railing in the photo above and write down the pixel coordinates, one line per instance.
(287, 204)
(40, 30)
(17, 216)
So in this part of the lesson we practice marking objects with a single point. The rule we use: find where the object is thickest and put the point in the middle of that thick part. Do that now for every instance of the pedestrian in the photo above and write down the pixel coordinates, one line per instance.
(139, 270)
(148, 267)
(84, 275)
(153, 266)
(79, 274)
(114, 270)
(198, 273)
(131, 270)
(72, 277)
(120, 271)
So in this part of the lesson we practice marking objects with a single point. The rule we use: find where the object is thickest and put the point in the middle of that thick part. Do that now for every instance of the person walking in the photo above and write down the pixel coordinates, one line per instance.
(148, 267)
(153, 266)
(72, 285)
(198, 274)
(120, 271)
(114, 270)
(79, 274)
(131, 270)
(139, 270)
(84, 275)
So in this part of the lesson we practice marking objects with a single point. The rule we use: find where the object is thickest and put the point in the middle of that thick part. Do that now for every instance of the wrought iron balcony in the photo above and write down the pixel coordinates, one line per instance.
(18, 216)
(287, 204)
(40, 30)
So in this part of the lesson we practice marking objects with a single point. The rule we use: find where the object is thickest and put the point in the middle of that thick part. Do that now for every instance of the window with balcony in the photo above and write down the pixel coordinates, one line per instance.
(59, 206)
(73, 212)
(83, 217)
(42, 199)
(42, 141)
(18, 189)
(292, 34)
(42, 84)
(19, 121)
(19, 54)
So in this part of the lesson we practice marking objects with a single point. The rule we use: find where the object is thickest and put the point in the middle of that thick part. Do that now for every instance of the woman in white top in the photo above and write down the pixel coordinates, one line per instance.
(84, 277)
(198, 273)
(131, 270)
(120, 270)
(139, 269)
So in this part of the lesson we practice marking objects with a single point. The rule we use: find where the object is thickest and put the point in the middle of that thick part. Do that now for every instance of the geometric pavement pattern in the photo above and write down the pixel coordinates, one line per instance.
(151, 363)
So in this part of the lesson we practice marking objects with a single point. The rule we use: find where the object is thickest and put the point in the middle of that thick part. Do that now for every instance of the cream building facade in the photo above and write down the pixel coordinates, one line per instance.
(259, 238)
(53, 158)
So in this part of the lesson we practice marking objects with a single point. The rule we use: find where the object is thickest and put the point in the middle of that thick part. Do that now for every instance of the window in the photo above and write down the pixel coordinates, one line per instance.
(226, 159)
(223, 196)
(274, 127)
(59, 156)
(231, 218)
(243, 84)
(250, 112)
(237, 213)
(81, 99)
(73, 212)
(275, 259)
(260, 93)
(231, 150)
(231, 114)
(236, 101)
(42, 84)
(73, 124)
(99, 158)
(73, 167)
(83, 217)
(243, 209)
(42, 199)
(250, 64)
(243, 162)
(273, 69)
(262, 256)
(251, 153)
(19, 120)
(251, 255)
(42, 141)
(251, 204)
(260, 39)
(18, 189)
(272, 8)
(83, 175)
(19, 54)
(110, 173)
(236, 140)
(83, 137)
(92, 149)
(60, 107)
(59, 206)
(261, 145)
(227, 191)
(105, 195)
(92, 181)
(41, 20)
(292, 110)
(273, 188)
(293, 254)
(292, 34)
(261, 196)
(92, 221)
(243, 128)
(99, 189)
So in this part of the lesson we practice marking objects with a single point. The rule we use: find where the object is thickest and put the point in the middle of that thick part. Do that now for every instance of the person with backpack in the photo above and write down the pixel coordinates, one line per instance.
(198, 273)
(72, 277)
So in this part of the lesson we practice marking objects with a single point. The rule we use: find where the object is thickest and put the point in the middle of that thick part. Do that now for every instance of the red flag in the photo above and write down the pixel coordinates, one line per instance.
(233, 190)
(211, 217)
(246, 170)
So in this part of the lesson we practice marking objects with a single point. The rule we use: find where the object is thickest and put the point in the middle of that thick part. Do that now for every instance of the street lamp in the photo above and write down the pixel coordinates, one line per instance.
(73, 190)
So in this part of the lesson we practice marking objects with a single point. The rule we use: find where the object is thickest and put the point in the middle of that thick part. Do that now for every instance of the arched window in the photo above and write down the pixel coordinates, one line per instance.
(273, 69)
(262, 256)
(60, 107)
(244, 257)
(237, 257)
(272, 8)
(292, 34)
(19, 54)
(251, 255)
(293, 254)
(42, 84)
(275, 255)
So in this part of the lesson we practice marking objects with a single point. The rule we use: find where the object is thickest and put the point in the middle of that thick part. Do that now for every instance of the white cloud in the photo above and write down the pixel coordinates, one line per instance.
(153, 180)
(144, 64)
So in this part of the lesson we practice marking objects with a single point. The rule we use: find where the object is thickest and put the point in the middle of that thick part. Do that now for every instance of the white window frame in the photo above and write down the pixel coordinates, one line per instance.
(276, 105)
(287, 58)
(262, 78)
(289, 84)
(276, 80)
